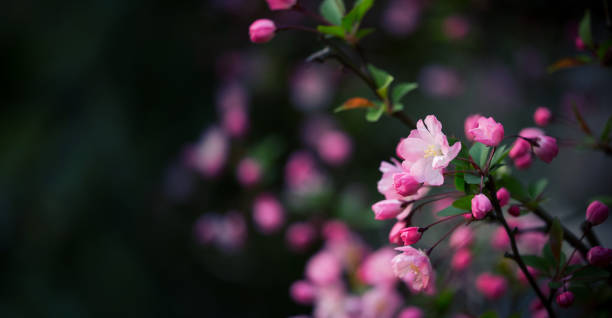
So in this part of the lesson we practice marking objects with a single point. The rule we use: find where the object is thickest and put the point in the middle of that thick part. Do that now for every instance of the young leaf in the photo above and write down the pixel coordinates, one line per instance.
(397, 107)
(332, 30)
(333, 11)
(464, 203)
(515, 187)
(382, 79)
(556, 239)
(500, 154)
(584, 30)
(479, 153)
(451, 210)
(536, 188)
(564, 63)
(536, 262)
(459, 182)
(374, 113)
(356, 14)
(401, 89)
(355, 102)
(605, 133)
(363, 32)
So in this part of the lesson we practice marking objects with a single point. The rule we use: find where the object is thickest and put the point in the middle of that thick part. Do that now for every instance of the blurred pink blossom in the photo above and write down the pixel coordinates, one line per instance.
(300, 235)
(461, 259)
(411, 312)
(311, 86)
(461, 237)
(380, 302)
(376, 268)
(248, 172)
(209, 154)
(302, 292)
(324, 268)
(232, 107)
(268, 213)
(401, 17)
(334, 147)
(491, 286)
(440, 81)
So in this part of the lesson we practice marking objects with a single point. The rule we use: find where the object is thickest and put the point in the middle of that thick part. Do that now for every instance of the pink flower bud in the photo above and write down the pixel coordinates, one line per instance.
(280, 4)
(268, 213)
(488, 131)
(596, 212)
(411, 312)
(519, 148)
(405, 184)
(249, 172)
(470, 123)
(334, 147)
(542, 116)
(394, 234)
(523, 162)
(503, 196)
(579, 44)
(514, 210)
(323, 268)
(547, 148)
(461, 260)
(599, 256)
(302, 292)
(480, 206)
(300, 235)
(565, 299)
(492, 286)
(262, 31)
(387, 209)
(462, 237)
(410, 235)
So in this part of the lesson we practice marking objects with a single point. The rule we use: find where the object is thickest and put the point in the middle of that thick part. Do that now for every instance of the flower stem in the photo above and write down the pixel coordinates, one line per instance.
(444, 237)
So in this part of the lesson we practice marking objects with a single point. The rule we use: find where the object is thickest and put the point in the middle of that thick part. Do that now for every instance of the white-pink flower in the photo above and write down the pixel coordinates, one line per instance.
(426, 152)
(385, 184)
(414, 268)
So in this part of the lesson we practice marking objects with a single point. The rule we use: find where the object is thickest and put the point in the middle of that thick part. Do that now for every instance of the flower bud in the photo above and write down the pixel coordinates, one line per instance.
(410, 235)
(394, 234)
(470, 123)
(262, 31)
(492, 286)
(387, 209)
(579, 44)
(599, 256)
(547, 148)
(596, 212)
(461, 260)
(503, 196)
(302, 292)
(519, 148)
(523, 162)
(405, 184)
(461, 237)
(411, 312)
(565, 299)
(514, 210)
(248, 172)
(488, 131)
(542, 116)
(280, 4)
(480, 206)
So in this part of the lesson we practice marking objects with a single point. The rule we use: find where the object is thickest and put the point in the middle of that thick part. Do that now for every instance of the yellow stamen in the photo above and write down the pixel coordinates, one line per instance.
(431, 151)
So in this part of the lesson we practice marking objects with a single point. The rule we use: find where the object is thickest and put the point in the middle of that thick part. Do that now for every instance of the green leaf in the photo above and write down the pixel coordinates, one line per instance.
(471, 179)
(363, 33)
(374, 113)
(489, 314)
(459, 182)
(401, 89)
(354, 17)
(584, 30)
(479, 153)
(536, 262)
(398, 107)
(464, 203)
(548, 255)
(451, 210)
(500, 154)
(605, 133)
(382, 79)
(515, 187)
(535, 189)
(556, 239)
(333, 11)
(332, 30)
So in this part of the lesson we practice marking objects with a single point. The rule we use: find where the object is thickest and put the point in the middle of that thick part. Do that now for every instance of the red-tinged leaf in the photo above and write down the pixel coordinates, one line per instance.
(355, 102)
(564, 63)
(583, 125)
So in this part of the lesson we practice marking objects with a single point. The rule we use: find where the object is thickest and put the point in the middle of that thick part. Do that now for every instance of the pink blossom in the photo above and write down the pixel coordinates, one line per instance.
(376, 268)
(248, 171)
(565, 299)
(599, 256)
(441, 204)
(380, 302)
(481, 205)
(440, 81)
(520, 148)
(461, 260)
(531, 242)
(414, 268)
(455, 27)
(401, 17)
(301, 172)
(411, 312)
(597, 212)
(335, 231)
(503, 196)
(387, 209)
(311, 86)
(500, 239)
(523, 162)
(232, 104)
(323, 268)
(514, 210)
(208, 156)
(231, 231)
(411, 198)
(547, 148)
(405, 184)
(427, 153)
(300, 235)
(268, 213)
(281, 4)
(410, 235)
(579, 44)
(262, 31)
(302, 292)
(461, 237)
(386, 184)
(334, 147)
(331, 301)
(531, 132)
(488, 131)
(394, 234)
(492, 286)
(470, 123)
(542, 116)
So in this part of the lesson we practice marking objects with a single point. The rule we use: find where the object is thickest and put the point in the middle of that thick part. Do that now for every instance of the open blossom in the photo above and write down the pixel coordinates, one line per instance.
(488, 131)
(262, 31)
(597, 212)
(386, 185)
(380, 302)
(542, 116)
(323, 268)
(268, 213)
(492, 286)
(376, 268)
(426, 152)
(281, 4)
(547, 148)
(470, 123)
(481, 205)
(414, 268)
